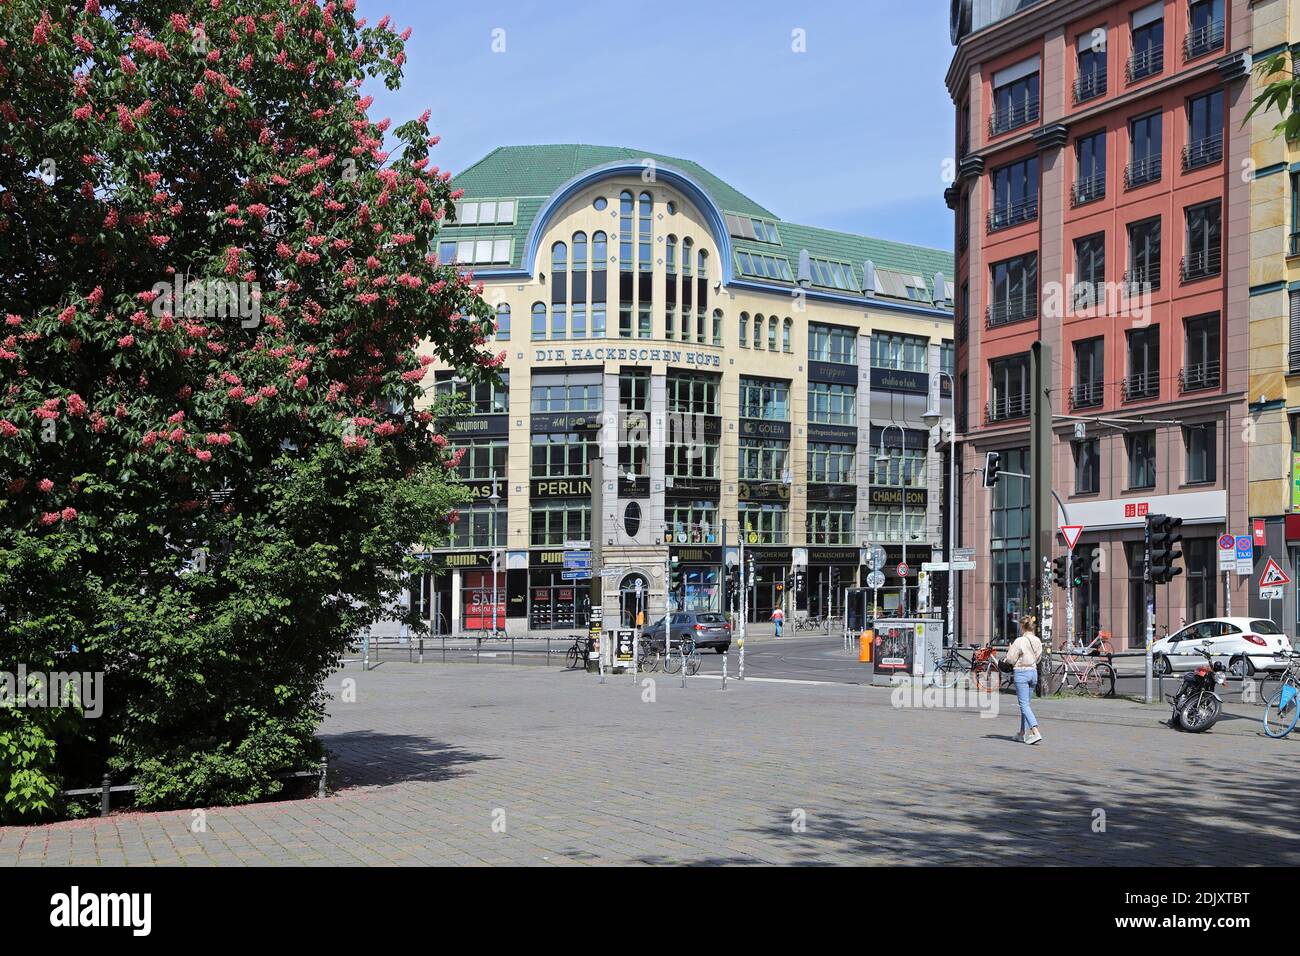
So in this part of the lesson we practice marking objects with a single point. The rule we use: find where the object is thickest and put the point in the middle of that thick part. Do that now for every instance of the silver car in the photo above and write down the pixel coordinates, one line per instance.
(1245, 644)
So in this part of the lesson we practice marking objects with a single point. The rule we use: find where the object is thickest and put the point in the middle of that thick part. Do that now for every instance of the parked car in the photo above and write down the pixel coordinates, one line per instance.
(706, 628)
(1247, 644)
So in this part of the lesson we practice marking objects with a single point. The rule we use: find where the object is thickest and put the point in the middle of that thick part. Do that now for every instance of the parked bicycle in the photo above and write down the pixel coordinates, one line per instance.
(810, 622)
(1283, 704)
(684, 651)
(577, 654)
(1073, 670)
(950, 667)
(651, 656)
(986, 669)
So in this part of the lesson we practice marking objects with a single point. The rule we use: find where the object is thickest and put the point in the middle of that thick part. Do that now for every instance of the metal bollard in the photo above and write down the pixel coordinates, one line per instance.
(421, 650)
(478, 650)
(741, 674)
(724, 670)
(683, 654)
(105, 795)
(600, 664)
(324, 770)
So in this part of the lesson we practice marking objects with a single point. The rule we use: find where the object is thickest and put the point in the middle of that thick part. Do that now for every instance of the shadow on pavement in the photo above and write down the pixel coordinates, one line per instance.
(369, 759)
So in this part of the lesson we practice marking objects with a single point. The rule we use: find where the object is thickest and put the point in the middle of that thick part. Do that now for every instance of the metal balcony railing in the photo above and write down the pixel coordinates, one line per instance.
(1144, 63)
(1089, 86)
(1005, 313)
(1142, 278)
(1203, 152)
(1142, 171)
(1012, 214)
(1007, 408)
(1295, 244)
(1013, 116)
(1192, 378)
(1203, 40)
(1086, 395)
(1140, 385)
(1201, 264)
(1089, 189)
(1085, 294)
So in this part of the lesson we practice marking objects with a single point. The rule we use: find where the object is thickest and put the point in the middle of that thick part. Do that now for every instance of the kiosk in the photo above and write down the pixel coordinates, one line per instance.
(906, 650)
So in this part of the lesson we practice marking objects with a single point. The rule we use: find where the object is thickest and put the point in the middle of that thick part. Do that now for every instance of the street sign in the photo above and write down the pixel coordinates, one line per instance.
(576, 574)
(1227, 553)
(948, 566)
(1271, 594)
(934, 566)
(577, 559)
(876, 579)
(1273, 575)
(876, 558)
(1245, 554)
(1071, 533)
(963, 554)
(902, 569)
(1257, 528)
(577, 546)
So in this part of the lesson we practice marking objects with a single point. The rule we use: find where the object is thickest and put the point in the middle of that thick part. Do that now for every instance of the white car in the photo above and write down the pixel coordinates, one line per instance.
(1243, 644)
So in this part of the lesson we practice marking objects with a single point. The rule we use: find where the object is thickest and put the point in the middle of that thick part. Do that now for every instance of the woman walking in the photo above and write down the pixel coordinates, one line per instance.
(1023, 656)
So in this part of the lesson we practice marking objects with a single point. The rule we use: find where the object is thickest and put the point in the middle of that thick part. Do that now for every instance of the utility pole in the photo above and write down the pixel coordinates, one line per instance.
(1040, 467)
(596, 593)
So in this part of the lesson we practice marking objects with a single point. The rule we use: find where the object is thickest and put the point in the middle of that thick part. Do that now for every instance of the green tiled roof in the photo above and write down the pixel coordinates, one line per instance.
(530, 174)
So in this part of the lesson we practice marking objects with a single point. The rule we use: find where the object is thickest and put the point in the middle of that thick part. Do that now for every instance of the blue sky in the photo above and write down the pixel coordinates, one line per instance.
(850, 134)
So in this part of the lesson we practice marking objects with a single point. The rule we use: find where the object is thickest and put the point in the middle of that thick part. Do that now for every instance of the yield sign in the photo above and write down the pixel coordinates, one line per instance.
(1273, 574)
(1072, 533)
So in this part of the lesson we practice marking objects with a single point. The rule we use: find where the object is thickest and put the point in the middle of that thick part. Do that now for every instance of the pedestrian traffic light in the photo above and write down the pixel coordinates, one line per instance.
(1060, 571)
(1078, 570)
(1163, 537)
(992, 465)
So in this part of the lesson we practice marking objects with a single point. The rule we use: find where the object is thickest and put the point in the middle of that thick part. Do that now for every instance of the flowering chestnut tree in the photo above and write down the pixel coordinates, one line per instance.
(220, 302)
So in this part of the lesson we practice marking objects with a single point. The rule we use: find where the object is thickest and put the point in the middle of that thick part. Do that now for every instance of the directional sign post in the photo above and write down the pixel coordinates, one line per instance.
(1272, 583)
(1245, 554)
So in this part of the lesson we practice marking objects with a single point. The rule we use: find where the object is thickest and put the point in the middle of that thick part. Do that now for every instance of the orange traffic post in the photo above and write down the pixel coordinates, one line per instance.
(864, 646)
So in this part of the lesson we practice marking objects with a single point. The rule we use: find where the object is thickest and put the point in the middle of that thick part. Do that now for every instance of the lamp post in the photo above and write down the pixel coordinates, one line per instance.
(931, 418)
(882, 461)
(495, 498)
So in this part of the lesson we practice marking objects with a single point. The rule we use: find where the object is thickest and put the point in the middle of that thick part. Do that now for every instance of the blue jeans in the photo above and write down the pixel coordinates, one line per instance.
(1026, 681)
(778, 624)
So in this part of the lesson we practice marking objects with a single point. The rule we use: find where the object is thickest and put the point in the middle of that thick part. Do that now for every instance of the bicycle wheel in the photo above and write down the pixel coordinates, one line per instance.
(947, 674)
(673, 663)
(1053, 678)
(1266, 684)
(1282, 709)
(693, 664)
(1099, 681)
(571, 658)
(987, 675)
(649, 661)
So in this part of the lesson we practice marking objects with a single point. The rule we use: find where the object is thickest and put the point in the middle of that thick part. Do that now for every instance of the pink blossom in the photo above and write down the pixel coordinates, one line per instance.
(126, 341)
(45, 485)
(68, 514)
(7, 428)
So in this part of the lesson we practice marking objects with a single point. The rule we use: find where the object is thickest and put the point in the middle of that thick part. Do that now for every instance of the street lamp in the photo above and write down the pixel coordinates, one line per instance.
(882, 461)
(932, 417)
(495, 498)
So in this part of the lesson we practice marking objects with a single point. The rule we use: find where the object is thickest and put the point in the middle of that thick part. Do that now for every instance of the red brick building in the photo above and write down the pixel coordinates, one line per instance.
(1101, 209)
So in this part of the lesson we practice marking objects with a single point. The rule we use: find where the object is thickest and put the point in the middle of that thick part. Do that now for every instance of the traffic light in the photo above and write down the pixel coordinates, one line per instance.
(992, 465)
(675, 583)
(1163, 535)
(1078, 570)
(1060, 570)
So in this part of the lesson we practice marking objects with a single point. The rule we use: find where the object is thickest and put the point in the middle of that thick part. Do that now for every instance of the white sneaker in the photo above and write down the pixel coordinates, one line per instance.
(1034, 736)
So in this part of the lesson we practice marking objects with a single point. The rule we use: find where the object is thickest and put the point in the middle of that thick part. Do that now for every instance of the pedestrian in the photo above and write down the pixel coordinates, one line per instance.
(1023, 656)
(778, 618)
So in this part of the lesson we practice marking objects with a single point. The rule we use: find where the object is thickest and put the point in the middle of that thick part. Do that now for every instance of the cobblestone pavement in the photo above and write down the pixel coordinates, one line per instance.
(491, 764)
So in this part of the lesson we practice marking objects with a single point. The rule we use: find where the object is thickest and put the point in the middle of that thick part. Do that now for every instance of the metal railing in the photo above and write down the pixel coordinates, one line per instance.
(1085, 295)
(1088, 190)
(107, 788)
(1295, 244)
(1013, 116)
(1006, 408)
(1142, 279)
(1203, 152)
(1144, 63)
(1006, 313)
(1013, 213)
(1086, 395)
(1201, 264)
(1192, 378)
(1142, 171)
(1140, 385)
(1203, 40)
(1089, 86)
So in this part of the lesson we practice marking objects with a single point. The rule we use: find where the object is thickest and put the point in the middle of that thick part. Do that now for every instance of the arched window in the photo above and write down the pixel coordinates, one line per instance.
(646, 205)
(787, 336)
(771, 334)
(559, 257)
(599, 251)
(687, 245)
(744, 330)
(717, 326)
(758, 331)
(503, 322)
(704, 264)
(580, 252)
(539, 320)
(670, 255)
(625, 210)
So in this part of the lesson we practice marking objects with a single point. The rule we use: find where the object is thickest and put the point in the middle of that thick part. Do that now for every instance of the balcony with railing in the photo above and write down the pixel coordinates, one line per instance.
(1006, 215)
(1203, 40)
(1007, 407)
(1142, 278)
(1089, 86)
(1201, 264)
(1203, 152)
(1193, 378)
(1086, 395)
(1010, 312)
(1142, 171)
(1013, 116)
(1088, 189)
(1140, 385)
(1144, 63)
(1294, 248)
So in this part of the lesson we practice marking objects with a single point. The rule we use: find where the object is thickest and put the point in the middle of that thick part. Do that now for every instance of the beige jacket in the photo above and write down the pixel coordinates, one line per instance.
(1025, 651)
